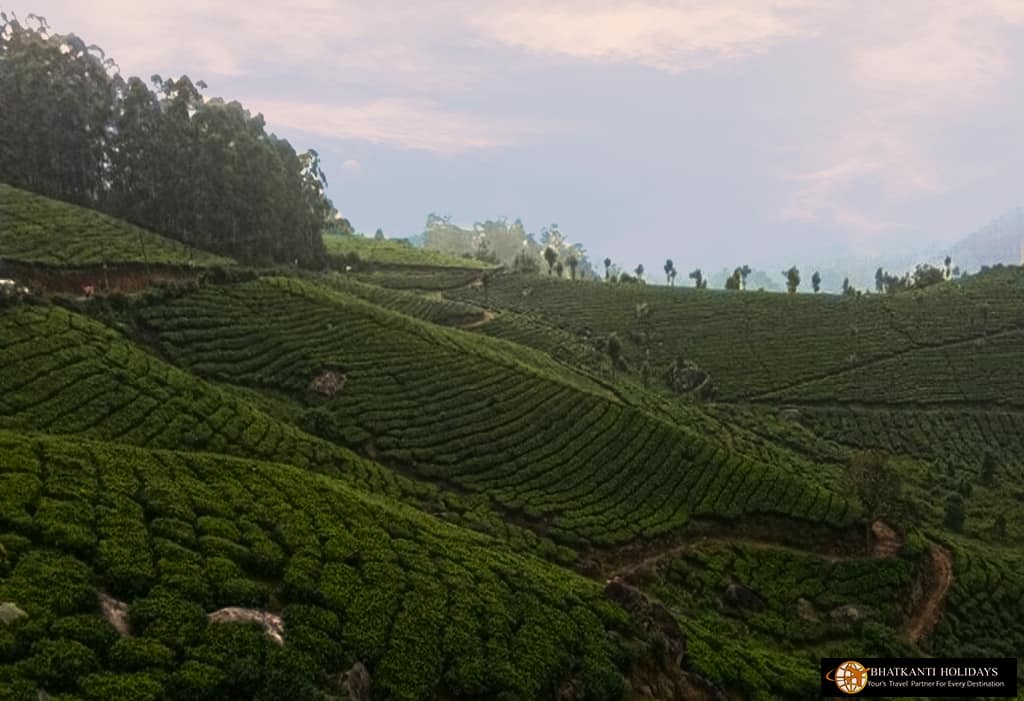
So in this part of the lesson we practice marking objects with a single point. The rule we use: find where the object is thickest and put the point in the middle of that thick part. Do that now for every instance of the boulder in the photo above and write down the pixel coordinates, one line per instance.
(805, 610)
(846, 614)
(116, 613)
(790, 416)
(357, 682)
(630, 598)
(273, 626)
(654, 616)
(739, 596)
(9, 613)
(328, 383)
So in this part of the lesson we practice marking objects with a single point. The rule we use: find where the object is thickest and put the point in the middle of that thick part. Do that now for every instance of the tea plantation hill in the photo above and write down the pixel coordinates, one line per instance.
(355, 577)
(355, 250)
(552, 445)
(925, 347)
(67, 374)
(41, 231)
(177, 450)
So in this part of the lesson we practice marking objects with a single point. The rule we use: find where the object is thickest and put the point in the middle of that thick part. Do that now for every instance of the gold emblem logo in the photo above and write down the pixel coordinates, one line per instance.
(850, 677)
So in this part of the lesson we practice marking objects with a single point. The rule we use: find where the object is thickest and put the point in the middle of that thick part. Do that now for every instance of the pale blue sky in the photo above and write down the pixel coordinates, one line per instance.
(717, 133)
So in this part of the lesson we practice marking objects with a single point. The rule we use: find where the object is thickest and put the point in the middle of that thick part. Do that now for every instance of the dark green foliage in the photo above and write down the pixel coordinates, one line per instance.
(364, 580)
(954, 518)
(89, 629)
(770, 653)
(129, 687)
(57, 664)
(135, 654)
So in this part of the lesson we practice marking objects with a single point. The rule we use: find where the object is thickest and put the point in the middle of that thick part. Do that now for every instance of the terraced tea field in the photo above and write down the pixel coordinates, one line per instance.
(39, 230)
(363, 250)
(175, 536)
(984, 612)
(939, 342)
(67, 374)
(545, 442)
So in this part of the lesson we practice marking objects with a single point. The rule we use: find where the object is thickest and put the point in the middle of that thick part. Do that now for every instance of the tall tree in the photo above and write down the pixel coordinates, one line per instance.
(699, 281)
(550, 255)
(879, 487)
(744, 271)
(734, 281)
(670, 272)
(639, 270)
(816, 282)
(607, 268)
(792, 279)
(199, 170)
(572, 261)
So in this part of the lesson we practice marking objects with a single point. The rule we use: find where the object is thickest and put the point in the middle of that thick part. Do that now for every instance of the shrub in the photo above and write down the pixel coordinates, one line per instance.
(123, 687)
(165, 616)
(57, 664)
(135, 654)
(195, 681)
(89, 629)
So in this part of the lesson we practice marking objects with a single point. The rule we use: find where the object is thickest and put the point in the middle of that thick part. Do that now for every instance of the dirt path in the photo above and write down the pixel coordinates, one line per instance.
(488, 316)
(628, 560)
(937, 582)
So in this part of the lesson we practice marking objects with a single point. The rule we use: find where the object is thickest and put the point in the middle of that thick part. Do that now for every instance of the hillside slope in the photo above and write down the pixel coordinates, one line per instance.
(175, 536)
(762, 345)
(40, 230)
(67, 374)
(482, 414)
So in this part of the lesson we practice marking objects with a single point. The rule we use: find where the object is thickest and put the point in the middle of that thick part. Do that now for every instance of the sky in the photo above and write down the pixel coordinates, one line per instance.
(715, 133)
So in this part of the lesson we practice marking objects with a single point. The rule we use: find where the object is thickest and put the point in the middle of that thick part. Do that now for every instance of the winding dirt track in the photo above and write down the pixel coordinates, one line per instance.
(937, 577)
(937, 584)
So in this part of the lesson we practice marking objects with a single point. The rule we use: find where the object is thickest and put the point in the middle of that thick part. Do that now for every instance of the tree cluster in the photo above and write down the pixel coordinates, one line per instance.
(924, 275)
(161, 155)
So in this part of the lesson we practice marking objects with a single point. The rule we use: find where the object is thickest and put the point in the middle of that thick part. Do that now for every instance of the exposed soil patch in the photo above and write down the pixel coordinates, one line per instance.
(116, 613)
(120, 278)
(488, 316)
(272, 624)
(328, 383)
(764, 532)
(937, 580)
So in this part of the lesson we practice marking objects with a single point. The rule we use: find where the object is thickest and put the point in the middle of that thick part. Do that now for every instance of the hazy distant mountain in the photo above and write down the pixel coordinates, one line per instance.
(1000, 241)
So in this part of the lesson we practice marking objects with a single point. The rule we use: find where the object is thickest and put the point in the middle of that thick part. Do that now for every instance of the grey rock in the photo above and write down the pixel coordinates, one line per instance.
(739, 596)
(805, 610)
(846, 614)
(357, 682)
(9, 613)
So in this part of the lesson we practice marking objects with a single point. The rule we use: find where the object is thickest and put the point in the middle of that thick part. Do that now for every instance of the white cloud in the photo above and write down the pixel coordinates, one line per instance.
(913, 67)
(410, 124)
(352, 167)
(667, 36)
